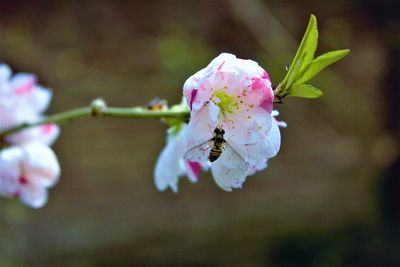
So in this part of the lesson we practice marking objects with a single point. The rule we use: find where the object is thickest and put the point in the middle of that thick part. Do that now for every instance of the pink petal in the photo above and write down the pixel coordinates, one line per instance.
(194, 170)
(192, 97)
(26, 87)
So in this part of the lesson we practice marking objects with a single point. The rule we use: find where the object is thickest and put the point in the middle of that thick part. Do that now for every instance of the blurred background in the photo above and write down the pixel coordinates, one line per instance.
(330, 198)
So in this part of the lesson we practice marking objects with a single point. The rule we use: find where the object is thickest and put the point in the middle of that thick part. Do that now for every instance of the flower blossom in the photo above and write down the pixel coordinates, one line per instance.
(26, 171)
(27, 165)
(234, 95)
(22, 100)
(171, 165)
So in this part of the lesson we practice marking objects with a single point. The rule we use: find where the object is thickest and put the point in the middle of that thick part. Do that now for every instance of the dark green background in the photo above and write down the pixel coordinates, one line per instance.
(328, 199)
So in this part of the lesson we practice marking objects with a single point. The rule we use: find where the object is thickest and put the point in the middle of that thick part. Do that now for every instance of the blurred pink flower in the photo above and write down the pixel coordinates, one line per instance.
(236, 96)
(26, 171)
(27, 165)
(171, 165)
(23, 100)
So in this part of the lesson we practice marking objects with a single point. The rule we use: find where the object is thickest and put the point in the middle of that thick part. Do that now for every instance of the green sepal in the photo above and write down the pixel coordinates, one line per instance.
(174, 123)
(175, 127)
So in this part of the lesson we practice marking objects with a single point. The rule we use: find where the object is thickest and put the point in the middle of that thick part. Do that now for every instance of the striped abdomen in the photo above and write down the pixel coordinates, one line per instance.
(216, 150)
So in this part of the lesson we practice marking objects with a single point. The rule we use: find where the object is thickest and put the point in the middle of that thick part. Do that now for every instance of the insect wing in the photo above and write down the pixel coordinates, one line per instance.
(234, 157)
(200, 152)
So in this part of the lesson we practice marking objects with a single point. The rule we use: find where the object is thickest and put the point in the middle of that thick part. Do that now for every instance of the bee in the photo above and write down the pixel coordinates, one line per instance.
(212, 150)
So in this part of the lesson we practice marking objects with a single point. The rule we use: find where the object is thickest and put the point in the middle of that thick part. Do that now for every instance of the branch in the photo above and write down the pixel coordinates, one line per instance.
(99, 109)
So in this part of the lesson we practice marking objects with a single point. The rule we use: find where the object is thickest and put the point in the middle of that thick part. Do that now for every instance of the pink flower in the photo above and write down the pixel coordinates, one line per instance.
(27, 171)
(22, 100)
(171, 165)
(28, 166)
(233, 95)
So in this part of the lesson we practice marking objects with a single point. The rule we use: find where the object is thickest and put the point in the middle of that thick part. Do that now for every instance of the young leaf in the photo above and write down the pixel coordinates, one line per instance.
(304, 90)
(292, 76)
(304, 54)
(311, 42)
(320, 63)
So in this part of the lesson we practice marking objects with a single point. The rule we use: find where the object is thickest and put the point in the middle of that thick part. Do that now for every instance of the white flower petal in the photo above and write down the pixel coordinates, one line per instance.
(202, 124)
(45, 134)
(41, 98)
(223, 57)
(171, 165)
(5, 73)
(273, 140)
(10, 171)
(168, 168)
(34, 196)
(40, 164)
(274, 113)
(35, 97)
(227, 178)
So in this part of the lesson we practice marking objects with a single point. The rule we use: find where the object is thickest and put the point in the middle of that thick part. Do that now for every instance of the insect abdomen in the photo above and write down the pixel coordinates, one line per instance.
(215, 152)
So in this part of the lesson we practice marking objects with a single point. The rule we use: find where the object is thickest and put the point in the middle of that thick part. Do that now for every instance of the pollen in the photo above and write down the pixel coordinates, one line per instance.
(225, 102)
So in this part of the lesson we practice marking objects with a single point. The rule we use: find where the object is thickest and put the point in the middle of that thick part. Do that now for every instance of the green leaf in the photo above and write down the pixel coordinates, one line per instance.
(320, 63)
(310, 40)
(304, 90)
(304, 54)
(291, 77)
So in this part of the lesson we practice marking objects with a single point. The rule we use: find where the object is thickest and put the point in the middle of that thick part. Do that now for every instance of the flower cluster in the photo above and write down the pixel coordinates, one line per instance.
(232, 127)
(28, 166)
(232, 130)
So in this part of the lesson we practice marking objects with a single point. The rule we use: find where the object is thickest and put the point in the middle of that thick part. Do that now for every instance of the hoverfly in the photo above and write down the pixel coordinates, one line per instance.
(213, 148)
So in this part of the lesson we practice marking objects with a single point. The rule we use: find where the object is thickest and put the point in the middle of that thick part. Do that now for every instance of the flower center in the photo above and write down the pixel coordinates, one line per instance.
(226, 103)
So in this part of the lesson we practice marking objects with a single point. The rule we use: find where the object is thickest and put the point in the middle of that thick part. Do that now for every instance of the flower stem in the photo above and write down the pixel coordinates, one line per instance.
(103, 111)
(279, 93)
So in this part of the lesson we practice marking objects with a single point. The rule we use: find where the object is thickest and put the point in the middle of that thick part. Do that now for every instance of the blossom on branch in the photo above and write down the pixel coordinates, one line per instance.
(26, 171)
(232, 124)
(28, 166)
(22, 100)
